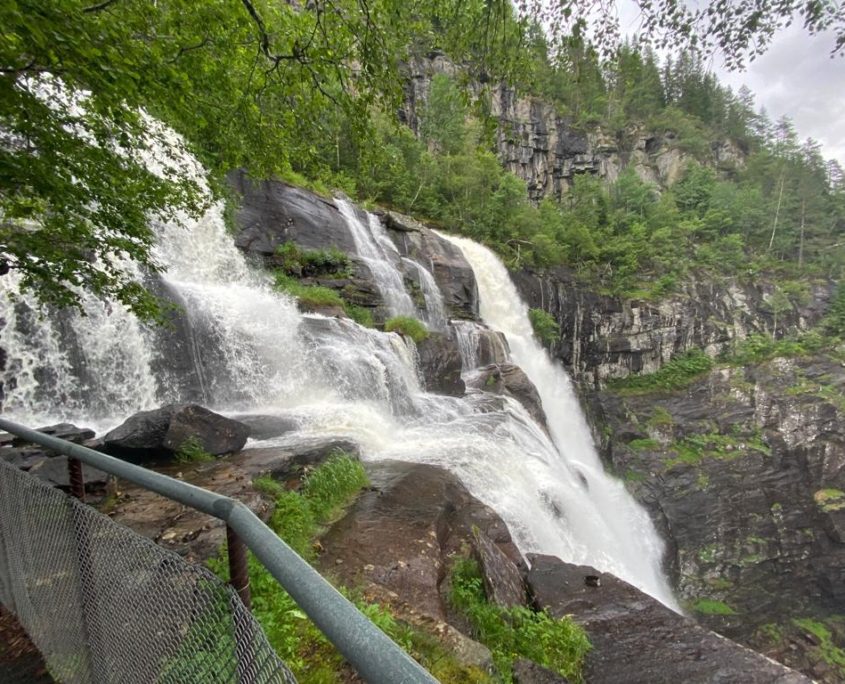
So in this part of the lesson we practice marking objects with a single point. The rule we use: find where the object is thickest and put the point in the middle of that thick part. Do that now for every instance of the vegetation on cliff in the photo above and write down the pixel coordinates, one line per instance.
(558, 644)
(302, 92)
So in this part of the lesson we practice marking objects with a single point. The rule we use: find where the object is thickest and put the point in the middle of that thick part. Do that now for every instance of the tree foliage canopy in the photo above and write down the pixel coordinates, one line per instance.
(276, 87)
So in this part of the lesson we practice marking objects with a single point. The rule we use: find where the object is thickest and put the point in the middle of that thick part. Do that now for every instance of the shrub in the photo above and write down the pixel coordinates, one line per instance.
(191, 451)
(299, 262)
(360, 314)
(309, 295)
(712, 607)
(676, 374)
(546, 328)
(409, 326)
(558, 644)
(759, 348)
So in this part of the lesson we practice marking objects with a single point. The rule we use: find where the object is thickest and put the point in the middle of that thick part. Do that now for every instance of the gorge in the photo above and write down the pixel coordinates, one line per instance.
(514, 436)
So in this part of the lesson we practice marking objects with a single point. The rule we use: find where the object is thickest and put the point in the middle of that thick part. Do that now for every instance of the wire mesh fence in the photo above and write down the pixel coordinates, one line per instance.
(104, 604)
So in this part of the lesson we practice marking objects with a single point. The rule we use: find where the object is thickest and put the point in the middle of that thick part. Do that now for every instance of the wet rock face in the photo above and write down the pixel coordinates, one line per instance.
(506, 378)
(440, 365)
(272, 213)
(162, 432)
(402, 534)
(452, 273)
(605, 337)
(744, 474)
(47, 465)
(636, 638)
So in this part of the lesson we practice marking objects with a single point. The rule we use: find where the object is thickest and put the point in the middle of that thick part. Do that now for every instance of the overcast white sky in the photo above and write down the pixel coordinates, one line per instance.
(798, 78)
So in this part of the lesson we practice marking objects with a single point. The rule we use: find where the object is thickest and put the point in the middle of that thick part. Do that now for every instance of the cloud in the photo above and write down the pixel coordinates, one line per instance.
(797, 78)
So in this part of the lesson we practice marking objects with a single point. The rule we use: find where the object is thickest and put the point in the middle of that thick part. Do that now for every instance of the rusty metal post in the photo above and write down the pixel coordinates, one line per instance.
(77, 481)
(238, 571)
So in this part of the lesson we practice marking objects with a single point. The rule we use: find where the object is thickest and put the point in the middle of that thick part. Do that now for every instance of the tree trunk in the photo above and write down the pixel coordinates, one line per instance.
(777, 212)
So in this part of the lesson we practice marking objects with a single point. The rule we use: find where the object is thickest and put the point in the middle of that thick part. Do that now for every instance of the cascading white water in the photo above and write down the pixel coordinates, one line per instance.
(628, 533)
(380, 255)
(96, 362)
(250, 349)
(435, 310)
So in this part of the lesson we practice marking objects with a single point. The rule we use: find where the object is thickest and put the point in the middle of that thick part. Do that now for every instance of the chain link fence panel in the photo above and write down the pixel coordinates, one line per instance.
(104, 604)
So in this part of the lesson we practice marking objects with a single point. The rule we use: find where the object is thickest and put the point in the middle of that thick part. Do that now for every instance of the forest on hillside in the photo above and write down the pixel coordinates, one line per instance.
(311, 94)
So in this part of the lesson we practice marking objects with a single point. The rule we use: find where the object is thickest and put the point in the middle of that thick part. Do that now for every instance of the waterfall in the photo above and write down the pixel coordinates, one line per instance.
(435, 310)
(251, 350)
(627, 533)
(380, 255)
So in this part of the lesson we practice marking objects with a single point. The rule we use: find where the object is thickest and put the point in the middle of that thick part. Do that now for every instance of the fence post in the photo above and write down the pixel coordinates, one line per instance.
(77, 480)
(238, 571)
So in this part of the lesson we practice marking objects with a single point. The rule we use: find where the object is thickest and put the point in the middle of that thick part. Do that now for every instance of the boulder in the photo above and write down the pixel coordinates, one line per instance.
(492, 347)
(636, 638)
(440, 364)
(529, 672)
(402, 534)
(161, 432)
(405, 224)
(502, 579)
(272, 213)
(66, 431)
(24, 457)
(215, 433)
(266, 426)
(506, 378)
(54, 471)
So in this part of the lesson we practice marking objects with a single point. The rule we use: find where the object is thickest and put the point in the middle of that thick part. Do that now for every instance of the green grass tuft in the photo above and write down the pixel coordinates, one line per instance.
(360, 314)
(192, 451)
(674, 375)
(558, 644)
(309, 295)
(408, 326)
(712, 607)
(546, 328)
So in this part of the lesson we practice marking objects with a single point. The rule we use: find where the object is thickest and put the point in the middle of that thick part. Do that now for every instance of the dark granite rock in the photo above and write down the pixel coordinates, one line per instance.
(272, 213)
(506, 378)
(54, 472)
(161, 432)
(402, 534)
(440, 364)
(637, 639)
(142, 433)
(529, 672)
(216, 434)
(405, 224)
(68, 432)
(266, 426)
(750, 514)
(452, 273)
(502, 579)
(24, 457)
(604, 337)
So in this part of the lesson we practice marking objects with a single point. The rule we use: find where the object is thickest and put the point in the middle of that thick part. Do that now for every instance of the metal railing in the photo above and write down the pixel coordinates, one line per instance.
(372, 653)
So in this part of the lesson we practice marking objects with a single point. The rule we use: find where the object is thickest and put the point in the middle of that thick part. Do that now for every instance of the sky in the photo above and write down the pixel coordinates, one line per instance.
(797, 77)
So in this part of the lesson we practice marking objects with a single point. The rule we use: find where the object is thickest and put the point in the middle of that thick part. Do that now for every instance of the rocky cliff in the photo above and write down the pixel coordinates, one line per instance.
(537, 144)
(744, 473)
(605, 337)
